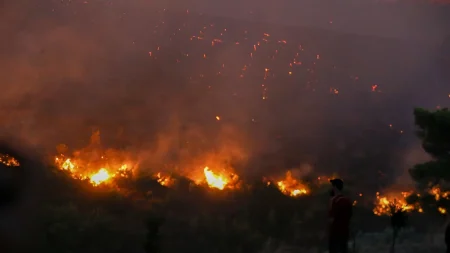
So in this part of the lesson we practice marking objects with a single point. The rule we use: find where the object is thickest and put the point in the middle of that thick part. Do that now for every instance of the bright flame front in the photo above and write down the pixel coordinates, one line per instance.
(290, 186)
(101, 176)
(215, 180)
(95, 176)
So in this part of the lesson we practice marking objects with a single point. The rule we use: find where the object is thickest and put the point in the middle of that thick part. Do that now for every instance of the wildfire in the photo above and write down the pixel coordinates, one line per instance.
(9, 160)
(383, 203)
(219, 181)
(100, 166)
(164, 180)
(66, 165)
(439, 194)
(101, 176)
(290, 186)
(93, 163)
(95, 176)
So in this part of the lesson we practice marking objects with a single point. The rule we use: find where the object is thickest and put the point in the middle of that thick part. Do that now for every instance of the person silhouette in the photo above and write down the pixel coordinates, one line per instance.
(340, 214)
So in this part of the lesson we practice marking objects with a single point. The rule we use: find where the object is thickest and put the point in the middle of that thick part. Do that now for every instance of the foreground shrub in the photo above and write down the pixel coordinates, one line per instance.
(70, 229)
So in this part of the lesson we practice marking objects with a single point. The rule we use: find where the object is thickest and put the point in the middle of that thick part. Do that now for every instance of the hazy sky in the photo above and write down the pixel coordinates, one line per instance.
(429, 22)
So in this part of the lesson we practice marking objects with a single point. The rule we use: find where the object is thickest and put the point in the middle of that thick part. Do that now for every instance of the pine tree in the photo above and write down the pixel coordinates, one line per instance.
(433, 177)
(433, 128)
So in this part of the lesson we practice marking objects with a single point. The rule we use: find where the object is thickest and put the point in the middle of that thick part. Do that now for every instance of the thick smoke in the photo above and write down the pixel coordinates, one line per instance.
(71, 67)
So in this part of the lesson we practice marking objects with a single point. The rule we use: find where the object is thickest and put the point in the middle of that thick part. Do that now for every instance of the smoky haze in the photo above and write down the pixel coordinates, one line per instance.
(70, 67)
(411, 19)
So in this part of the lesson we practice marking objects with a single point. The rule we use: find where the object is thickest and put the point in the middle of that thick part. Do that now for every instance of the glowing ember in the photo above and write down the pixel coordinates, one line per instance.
(290, 186)
(214, 180)
(9, 160)
(325, 179)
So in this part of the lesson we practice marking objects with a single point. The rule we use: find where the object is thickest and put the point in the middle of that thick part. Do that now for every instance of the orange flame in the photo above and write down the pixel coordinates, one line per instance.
(383, 203)
(9, 160)
(93, 163)
(215, 180)
(100, 176)
(290, 186)
(164, 180)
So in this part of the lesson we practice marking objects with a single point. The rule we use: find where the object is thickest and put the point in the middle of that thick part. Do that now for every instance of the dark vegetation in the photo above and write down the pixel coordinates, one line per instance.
(433, 130)
(141, 215)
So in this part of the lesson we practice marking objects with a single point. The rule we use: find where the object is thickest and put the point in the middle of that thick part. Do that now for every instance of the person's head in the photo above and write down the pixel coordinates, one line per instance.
(336, 186)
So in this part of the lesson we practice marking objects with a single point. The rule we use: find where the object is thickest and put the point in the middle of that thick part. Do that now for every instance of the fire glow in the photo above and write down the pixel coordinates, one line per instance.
(93, 163)
(220, 181)
(101, 167)
(95, 176)
(291, 186)
(9, 160)
(383, 203)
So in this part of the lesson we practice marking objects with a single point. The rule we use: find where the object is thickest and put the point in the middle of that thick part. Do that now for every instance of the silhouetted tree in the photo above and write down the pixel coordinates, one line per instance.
(433, 177)
(433, 130)
(398, 221)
